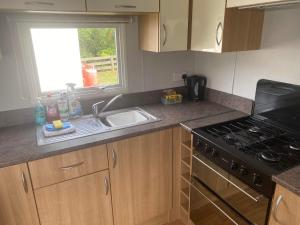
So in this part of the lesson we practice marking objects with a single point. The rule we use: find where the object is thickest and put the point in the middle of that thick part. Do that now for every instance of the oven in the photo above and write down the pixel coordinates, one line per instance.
(218, 198)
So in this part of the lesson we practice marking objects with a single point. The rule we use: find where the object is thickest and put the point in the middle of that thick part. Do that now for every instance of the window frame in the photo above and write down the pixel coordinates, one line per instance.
(30, 68)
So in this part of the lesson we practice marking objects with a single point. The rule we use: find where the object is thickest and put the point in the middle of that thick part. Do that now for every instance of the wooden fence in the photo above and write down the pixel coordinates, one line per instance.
(102, 64)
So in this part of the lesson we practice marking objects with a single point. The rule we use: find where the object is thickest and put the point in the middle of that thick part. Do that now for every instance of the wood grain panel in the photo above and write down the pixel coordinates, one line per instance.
(149, 32)
(141, 178)
(242, 29)
(175, 213)
(80, 201)
(67, 166)
(16, 206)
(288, 211)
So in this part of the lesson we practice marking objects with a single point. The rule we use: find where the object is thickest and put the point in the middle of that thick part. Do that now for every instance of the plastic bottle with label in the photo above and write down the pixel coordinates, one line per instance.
(75, 109)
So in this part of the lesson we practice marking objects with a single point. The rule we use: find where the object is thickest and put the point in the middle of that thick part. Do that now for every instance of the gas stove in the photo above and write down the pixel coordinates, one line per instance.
(256, 147)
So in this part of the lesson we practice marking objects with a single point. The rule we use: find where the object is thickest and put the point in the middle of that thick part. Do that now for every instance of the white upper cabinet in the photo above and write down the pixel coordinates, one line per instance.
(122, 5)
(174, 16)
(243, 3)
(167, 30)
(44, 5)
(218, 29)
(207, 25)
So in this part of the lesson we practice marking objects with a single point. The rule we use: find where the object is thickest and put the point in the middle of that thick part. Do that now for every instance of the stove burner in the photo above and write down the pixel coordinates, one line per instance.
(230, 139)
(294, 147)
(254, 129)
(269, 156)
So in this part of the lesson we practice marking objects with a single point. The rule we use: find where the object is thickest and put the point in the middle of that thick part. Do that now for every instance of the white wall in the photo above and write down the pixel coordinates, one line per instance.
(146, 71)
(278, 59)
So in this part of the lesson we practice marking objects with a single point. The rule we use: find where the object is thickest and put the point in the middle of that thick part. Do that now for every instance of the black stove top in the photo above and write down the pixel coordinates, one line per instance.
(264, 143)
(259, 146)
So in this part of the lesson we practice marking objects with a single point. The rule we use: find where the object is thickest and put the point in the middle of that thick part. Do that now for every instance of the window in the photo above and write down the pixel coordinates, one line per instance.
(88, 57)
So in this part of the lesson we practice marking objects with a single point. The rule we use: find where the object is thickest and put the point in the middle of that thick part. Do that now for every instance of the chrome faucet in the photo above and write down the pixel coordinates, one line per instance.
(96, 111)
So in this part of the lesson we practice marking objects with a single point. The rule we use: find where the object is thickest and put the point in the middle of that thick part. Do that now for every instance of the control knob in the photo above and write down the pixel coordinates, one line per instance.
(256, 179)
(234, 165)
(243, 171)
(214, 152)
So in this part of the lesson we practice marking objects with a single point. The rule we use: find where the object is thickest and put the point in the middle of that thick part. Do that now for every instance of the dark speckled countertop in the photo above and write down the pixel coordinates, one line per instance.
(290, 180)
(18, 144)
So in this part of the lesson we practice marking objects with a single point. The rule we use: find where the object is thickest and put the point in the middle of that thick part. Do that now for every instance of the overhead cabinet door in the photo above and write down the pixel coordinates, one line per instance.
(241, 3)
(173, 25)
(207, 25)
(44, 5)
(122, 5)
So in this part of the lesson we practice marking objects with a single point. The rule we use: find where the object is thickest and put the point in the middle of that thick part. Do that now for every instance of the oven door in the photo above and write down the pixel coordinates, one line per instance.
(239, 196)
(208, 209)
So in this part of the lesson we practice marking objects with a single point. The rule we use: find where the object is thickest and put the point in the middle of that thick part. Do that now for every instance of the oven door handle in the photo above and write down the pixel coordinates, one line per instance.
(212, 202)
(256, 199)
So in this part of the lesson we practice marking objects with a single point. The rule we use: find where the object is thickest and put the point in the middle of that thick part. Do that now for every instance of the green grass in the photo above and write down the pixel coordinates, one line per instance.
(107, 78)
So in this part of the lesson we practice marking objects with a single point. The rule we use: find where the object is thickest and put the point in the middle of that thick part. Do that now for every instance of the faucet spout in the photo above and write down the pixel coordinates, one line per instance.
(110, 102)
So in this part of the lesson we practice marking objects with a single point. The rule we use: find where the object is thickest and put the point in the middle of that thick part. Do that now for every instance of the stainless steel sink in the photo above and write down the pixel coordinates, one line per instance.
(108, 121)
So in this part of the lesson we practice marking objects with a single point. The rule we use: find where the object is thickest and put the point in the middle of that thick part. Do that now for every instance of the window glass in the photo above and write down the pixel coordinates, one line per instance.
(87, 57)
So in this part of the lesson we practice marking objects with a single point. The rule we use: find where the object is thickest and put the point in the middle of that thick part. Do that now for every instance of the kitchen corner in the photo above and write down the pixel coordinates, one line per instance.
(19, 142)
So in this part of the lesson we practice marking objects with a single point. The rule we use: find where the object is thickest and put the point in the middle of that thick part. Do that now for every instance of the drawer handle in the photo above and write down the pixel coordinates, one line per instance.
(72, 166)
(278, 201)
(24, 182)
(125, 6)
(106, 185)
(114, 158)
(39, 3)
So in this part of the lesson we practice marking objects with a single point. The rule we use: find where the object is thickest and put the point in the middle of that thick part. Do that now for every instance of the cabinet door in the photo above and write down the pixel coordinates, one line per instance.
(285, 208)
(207, 25)
(122, 5)
(47, 5)
(17, 206)
(174, 16)
(240, 3)
(141, 178)
(81, 201)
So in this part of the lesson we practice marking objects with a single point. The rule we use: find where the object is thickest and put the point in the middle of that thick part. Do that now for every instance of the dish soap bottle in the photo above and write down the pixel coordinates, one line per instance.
(40, 113)
(75, 109)
(63, 107)
(52, 110)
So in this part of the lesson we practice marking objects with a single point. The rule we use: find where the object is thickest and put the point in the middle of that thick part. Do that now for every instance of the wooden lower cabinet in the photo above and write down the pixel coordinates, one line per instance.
(17, 206)
(81, 201)
(285, 208)
(141, 179)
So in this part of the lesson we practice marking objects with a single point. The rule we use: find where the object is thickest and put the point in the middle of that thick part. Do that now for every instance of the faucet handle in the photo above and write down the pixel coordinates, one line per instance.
(95, 108)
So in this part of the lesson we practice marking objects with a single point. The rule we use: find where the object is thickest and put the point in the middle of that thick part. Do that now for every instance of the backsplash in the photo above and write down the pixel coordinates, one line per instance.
(26, 116)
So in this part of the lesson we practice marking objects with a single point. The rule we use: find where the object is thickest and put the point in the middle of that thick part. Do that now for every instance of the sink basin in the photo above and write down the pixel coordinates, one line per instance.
(127, 118)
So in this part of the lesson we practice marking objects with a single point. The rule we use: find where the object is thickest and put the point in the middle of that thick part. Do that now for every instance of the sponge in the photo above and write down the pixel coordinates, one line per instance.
(58, 124)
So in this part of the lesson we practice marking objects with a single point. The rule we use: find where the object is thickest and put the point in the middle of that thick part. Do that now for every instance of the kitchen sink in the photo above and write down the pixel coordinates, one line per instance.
(126, 118)
(105, 122)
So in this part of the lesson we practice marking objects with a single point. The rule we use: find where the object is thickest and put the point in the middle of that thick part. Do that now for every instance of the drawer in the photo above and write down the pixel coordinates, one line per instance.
(56, 169)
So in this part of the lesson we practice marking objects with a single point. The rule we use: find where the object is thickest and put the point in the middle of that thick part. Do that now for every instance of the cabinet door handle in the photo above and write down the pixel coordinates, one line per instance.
(24, 182)
(219, 40)
(72, 166)
(39, 3)
(278, 201)
(125, 6)
(106, 185)
(165, 34)
(114, 158)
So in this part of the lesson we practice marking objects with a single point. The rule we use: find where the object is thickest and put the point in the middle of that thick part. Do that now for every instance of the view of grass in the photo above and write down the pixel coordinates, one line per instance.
(107, 78)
